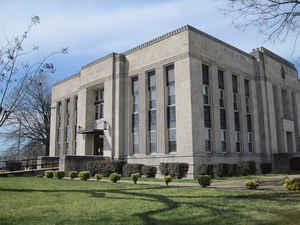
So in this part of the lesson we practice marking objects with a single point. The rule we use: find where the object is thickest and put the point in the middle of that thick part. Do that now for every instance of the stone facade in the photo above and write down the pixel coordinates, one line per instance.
(105, 109)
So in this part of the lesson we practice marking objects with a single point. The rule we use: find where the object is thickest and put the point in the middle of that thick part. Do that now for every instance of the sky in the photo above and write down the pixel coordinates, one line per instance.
(94, 28)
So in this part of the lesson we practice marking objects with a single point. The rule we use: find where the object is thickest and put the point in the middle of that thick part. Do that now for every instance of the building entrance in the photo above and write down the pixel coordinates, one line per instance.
(98, 144)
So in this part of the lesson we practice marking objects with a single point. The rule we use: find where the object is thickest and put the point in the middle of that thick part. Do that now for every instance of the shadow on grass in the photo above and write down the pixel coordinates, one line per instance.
(215, 207)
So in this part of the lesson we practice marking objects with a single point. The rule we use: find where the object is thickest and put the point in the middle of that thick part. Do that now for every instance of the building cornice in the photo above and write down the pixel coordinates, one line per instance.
(66, 79)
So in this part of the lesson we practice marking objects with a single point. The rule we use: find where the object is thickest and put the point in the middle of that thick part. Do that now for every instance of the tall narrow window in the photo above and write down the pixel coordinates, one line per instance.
(152, 111)
(237, 127)
(249, 117)
(171, 109)
(222, 111)
(99, 104)
(67, 125)
(135, 115)
(59, 127)
(207, 111)
(75, 126)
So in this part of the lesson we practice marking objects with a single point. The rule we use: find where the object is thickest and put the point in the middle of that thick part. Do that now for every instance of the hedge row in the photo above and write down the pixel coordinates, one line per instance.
(178, 170)
(241, 168)
(106, 167)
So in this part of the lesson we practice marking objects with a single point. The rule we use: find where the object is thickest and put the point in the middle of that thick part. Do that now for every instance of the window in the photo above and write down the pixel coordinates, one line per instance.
(59, 126)
(221, 98)
(207, 136)
(222, 118)
(152, 111)
(247, 90)
(282, 72)
(135, 115)
(205, 74)
(75, 126)
(237, 141)
(237, 121)
(223, 140)
(247, 101)
(171, 109)
(99, 104)
(207, 117)
(234, 84)
(250, 142)
(152, 89)
(221, 79)
(235, 101)
(205, 95)
(249, 123)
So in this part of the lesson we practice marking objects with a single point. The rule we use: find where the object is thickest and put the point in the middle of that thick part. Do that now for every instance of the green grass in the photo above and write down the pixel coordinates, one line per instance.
(42, 201)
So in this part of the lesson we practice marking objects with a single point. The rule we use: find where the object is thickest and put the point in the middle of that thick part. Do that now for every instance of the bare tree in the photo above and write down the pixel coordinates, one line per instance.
(274, 18)
(30, 122)
(15, 72)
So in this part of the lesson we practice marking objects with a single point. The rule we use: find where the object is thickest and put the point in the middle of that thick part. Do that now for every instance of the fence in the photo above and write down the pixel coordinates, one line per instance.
(28, 164)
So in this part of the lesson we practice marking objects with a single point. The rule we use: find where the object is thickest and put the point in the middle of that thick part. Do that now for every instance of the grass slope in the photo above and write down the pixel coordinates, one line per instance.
(50, 201)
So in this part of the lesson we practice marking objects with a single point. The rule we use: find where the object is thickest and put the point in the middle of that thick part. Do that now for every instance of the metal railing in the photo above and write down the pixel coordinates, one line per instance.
(28, 164)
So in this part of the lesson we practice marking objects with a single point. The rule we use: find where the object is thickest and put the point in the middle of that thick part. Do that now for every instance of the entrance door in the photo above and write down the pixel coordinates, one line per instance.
(98, 144)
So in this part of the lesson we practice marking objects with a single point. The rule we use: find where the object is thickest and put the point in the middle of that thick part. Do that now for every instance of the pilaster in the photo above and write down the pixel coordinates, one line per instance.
(215, 109)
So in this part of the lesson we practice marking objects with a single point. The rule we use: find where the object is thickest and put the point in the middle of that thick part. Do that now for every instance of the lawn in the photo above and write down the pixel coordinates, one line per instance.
(32, 200)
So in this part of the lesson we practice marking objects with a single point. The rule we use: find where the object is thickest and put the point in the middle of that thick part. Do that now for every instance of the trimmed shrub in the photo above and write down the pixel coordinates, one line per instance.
(84, 175)
(105, 167)
(129, 169)
(98, 176)
(220, 170)
(167, 179)
(251, 184)
(73, 174)
(59, 174)
(178, 170)
(243, 168)
(266, 168)
(205, 169)
(204, 180)
(135, 177)
(232, 170)
(2, 171)
(252, 167)
(13, 165)
(114, 177)
(49, 173)
(149, 171)
(292, 184)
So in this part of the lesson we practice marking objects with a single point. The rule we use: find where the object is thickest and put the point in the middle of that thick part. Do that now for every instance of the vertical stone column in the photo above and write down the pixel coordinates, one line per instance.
(143, 114)
(215, 109)
(197, 107)
(243, 115)
(255, 116)
(53, 131)
(229, 111)
(279, 118)
(129, 120)
(162, 138)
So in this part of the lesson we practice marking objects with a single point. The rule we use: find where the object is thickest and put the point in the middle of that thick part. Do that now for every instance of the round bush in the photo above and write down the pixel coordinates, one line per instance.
(73, 174)
(292, 184)
(49, 173)
(135, 177)
(251, 184)
(59, 174)
(204, 180)
(114, 177)
(149, 171)
(98, 176)
(167, 179)
(84, 175)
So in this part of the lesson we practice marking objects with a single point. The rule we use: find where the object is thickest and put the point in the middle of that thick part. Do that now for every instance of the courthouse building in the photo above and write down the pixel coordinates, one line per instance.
(182, 97)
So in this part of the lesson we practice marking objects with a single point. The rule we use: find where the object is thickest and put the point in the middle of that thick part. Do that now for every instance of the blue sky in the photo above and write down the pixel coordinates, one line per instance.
(92, 29)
